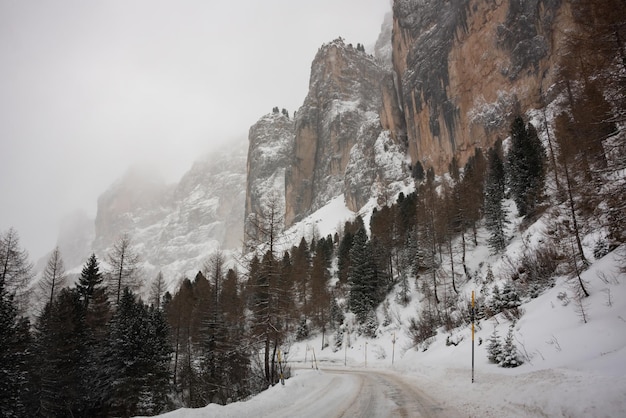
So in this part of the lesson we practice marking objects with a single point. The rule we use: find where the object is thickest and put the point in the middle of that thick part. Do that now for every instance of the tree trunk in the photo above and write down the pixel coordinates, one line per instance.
(573, 214)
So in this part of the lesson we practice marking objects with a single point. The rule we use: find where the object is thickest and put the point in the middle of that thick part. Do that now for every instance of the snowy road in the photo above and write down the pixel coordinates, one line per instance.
(332, 393)
(366, 393)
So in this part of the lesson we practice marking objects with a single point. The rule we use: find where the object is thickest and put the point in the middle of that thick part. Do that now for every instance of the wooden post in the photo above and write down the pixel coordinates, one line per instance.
(472, 318)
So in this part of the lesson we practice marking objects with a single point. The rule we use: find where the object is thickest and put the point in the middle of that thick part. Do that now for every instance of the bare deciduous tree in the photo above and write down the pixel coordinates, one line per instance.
(53, 278)
(15, 269)
(124, 268)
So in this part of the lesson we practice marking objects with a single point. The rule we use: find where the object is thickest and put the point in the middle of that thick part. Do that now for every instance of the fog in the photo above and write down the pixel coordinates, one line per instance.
(88, 88)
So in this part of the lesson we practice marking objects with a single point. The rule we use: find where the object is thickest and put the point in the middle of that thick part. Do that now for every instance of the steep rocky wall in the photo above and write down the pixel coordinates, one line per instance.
(270, 152)
(464, 67)
(344, 92)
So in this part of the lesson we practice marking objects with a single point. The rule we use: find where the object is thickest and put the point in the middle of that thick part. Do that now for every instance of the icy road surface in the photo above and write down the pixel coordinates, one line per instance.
(374, 394)
(334, 393)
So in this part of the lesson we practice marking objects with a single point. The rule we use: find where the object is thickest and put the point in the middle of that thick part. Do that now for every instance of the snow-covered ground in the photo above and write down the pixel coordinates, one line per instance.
(571, 369)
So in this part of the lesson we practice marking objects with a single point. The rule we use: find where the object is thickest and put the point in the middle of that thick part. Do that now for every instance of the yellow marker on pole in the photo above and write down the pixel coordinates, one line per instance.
(472, 318)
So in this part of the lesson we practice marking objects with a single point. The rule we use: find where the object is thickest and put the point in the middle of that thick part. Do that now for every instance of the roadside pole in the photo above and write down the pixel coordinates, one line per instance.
(365, 353)
(472, 318)
(280, 366)
(314, 359)
(393, 347)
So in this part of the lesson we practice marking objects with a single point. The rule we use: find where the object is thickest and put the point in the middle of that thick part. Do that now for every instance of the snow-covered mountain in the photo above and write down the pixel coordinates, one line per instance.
(175, 227)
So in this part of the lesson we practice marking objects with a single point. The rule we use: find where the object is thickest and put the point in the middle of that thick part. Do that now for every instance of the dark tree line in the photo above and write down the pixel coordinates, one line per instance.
(81, 357)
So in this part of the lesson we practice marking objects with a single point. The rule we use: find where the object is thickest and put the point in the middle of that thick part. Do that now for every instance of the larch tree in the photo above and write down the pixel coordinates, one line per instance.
(53, 278)
(264, 281)
(124, 268)
(157, 290)
(429, 258)
(179, 313)
(15, 268)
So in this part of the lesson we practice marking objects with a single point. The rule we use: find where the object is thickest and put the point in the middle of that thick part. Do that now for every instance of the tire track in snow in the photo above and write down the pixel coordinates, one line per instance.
(384, 394)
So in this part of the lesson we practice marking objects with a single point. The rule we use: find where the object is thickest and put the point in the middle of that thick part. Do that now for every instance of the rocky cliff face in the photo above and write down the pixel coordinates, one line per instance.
(270, 149)
(464, 67)
(344, 93)
(447, 78)
(175, 227)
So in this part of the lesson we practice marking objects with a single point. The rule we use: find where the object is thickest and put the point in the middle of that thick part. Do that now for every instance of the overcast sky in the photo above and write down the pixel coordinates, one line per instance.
(88, 88)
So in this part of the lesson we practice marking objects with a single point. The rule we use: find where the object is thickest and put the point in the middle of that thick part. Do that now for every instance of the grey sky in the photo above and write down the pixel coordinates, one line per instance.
(88, 88)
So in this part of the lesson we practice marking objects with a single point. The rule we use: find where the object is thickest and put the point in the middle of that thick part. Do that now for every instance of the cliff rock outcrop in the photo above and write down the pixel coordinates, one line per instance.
(344, 93)
(464, 67)
(270, 149)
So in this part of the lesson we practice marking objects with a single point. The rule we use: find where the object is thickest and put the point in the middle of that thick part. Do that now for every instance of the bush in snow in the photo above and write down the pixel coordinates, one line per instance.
(506, 300)
(423, 328)
(600, 249)
(303, 329)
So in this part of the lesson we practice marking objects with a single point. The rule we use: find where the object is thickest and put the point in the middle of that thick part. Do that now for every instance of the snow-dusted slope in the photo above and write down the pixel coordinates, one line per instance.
(572, 368)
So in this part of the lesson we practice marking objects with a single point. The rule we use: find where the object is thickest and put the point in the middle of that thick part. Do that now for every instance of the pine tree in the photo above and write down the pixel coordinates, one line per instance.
(137, 359)
(526, 169)
(404, 292)
(495, 212)
(509, 297)
(495, 303)
(97, 317)
(90, 280)
(301, 270)
(61, 347)
(157, 352)
(336, 314)
(494, 347)
(509, 356)
(343, 257)
(14, 371)
(363, 296)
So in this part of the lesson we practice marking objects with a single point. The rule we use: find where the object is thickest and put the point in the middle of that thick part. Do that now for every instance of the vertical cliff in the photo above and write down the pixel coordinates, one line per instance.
(462, 68)
(270, 152)
(344, 93)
